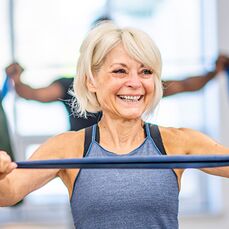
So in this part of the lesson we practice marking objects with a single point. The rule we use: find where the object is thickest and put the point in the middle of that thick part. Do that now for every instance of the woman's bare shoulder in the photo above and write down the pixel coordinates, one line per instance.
(65, 145)
(177, 140)
(189, 141)
(173, 132)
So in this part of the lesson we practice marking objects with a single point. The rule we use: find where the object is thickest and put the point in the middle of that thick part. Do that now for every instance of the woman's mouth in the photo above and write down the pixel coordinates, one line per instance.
(130, 98)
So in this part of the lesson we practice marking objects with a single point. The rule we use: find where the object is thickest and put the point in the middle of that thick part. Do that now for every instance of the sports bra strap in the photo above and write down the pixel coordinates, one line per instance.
(156, 136)
(87, 139)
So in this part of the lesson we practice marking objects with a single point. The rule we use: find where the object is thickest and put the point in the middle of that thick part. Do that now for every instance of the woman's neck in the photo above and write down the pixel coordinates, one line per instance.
(121, 136)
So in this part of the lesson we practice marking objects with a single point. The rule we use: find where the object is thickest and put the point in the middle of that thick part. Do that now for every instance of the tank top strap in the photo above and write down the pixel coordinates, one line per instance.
(153, 132)
(147, 129)
(91, 135)
(94, 130)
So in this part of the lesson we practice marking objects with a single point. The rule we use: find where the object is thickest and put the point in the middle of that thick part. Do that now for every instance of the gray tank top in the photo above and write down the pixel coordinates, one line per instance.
(125, 198)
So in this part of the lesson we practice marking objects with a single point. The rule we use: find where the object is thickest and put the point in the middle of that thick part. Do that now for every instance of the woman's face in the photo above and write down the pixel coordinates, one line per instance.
(124, 86)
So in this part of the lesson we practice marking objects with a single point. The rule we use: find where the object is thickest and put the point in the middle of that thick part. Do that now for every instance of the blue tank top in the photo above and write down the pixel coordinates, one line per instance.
(125, 198)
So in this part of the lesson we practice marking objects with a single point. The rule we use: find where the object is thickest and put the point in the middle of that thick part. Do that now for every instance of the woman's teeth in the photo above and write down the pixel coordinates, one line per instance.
(130, 98)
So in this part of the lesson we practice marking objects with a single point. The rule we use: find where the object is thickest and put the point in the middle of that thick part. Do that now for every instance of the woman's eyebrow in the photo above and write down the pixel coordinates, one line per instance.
(122, 64)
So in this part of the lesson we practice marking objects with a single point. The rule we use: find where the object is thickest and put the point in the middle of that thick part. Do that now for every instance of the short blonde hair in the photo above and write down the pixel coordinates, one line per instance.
(98, 43)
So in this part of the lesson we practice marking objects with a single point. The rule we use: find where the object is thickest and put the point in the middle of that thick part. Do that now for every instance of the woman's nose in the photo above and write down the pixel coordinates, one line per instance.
(133, 80)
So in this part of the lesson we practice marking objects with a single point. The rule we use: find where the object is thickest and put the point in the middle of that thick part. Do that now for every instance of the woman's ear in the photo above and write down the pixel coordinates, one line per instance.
(91, 85)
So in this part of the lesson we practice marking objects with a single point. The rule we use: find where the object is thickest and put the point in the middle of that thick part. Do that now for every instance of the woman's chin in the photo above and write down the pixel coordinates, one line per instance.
(131, 115)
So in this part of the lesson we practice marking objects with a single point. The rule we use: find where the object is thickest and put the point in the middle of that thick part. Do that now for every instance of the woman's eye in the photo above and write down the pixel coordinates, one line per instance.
(147, 71)
(120, 71)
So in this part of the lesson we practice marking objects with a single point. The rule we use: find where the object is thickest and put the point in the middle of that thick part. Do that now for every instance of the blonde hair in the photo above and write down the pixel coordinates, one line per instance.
(98, 43)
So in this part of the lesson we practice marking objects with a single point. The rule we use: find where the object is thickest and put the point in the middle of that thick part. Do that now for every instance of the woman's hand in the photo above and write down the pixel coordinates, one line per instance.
(6, 165)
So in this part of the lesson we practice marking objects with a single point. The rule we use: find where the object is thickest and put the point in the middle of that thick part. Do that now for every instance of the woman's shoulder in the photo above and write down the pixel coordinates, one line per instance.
(65, 145)
(181, 133)
(179, 140)
(69, 136)
(188, 141)
(173, 130)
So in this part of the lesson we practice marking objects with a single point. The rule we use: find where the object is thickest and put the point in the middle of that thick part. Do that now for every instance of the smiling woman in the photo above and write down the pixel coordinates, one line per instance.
(131, 57)
(119, 73)
(129, 85)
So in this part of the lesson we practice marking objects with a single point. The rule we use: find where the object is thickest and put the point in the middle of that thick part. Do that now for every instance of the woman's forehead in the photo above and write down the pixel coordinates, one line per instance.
(119, 55)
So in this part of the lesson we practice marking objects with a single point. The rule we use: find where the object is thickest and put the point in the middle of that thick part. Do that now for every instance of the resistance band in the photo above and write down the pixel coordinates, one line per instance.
(127, 162)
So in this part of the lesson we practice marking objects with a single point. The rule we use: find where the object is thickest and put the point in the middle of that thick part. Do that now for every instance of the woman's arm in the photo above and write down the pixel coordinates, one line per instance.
(20, 182)
(6, 167)
(201, 144)
(184, 141)
(15, 184)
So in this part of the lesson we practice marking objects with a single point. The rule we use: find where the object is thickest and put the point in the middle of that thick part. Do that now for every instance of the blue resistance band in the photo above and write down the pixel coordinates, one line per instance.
(5, 87)
(126, 162)
(227, 74)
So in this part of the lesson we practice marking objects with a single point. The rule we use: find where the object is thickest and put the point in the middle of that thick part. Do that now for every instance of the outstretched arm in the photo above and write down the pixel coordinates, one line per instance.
(194, 83)
(201, 144)
(191, 142)
(15, 184)
(50, 93)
